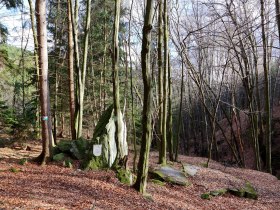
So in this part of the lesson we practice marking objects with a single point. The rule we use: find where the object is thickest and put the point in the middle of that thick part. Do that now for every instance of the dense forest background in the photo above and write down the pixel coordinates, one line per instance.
(214, 76)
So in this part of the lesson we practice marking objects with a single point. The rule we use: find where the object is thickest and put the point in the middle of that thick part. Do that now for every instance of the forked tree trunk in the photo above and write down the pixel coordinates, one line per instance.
(115, 68)
(143, 164)
(82, 72)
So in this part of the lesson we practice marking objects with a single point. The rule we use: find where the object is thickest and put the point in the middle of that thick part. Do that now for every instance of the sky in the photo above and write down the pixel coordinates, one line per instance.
(14, 20)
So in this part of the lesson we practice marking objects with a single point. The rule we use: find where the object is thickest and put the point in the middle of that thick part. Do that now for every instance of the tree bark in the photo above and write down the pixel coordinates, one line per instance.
(141, 180)
(40, 9)
(267, 92)
(160, 78)
(71, 72)
(170, 114)
(82, 72)
(115, 68)
(277, 9)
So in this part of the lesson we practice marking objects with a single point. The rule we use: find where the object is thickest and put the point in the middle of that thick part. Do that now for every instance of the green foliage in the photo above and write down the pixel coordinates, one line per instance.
(64, 146)
(9, 4)
(14, 170)
(68, 163)
(15, 112)
(79, 148)
(59, 157)
(23, 161)
(76, 148)
(3, 33)
(7, 115)
(205, 196)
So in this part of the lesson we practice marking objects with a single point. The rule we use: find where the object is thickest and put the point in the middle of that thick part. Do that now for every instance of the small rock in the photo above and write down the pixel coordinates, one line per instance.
(190, 170)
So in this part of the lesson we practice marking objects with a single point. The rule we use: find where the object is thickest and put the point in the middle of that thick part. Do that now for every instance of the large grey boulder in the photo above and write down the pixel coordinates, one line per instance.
(105, 135)
(168, 174)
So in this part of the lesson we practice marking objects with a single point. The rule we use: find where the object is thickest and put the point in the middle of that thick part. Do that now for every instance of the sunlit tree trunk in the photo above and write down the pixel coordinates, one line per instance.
(40, 9)
(71, 72)
(82, 73)
(115, 68)
(74, 18)
(131, 88)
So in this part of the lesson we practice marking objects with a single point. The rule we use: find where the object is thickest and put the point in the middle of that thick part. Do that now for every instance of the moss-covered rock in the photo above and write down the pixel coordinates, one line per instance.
(79, 148)
(94, 164)
(158, 182)
(250, 191)
(64, 145)
(237, 192)
(59, 157)
(168, 174)
(218, 192)
(124, 176)
(100, 128)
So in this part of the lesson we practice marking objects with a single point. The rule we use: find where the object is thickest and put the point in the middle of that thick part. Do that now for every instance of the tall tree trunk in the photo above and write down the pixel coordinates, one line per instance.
(74, 18)
(32, 17)
(40, 9)
(131, 89)
(56, 75)
(267, 93)
(169, 119)
(71, 72)
(115, 68)
(82, 73)
(277, 9)
(165, 87)
(141, 180)
(160, 77)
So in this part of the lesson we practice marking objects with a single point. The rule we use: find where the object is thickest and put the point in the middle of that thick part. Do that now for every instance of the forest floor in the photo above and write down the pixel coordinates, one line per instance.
(53, 186)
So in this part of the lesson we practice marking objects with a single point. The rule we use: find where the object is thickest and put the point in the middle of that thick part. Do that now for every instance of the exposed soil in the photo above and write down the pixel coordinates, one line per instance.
(56, 187)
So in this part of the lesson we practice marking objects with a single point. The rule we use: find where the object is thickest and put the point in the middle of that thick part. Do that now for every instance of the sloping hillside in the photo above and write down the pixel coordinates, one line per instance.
(30, 186)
